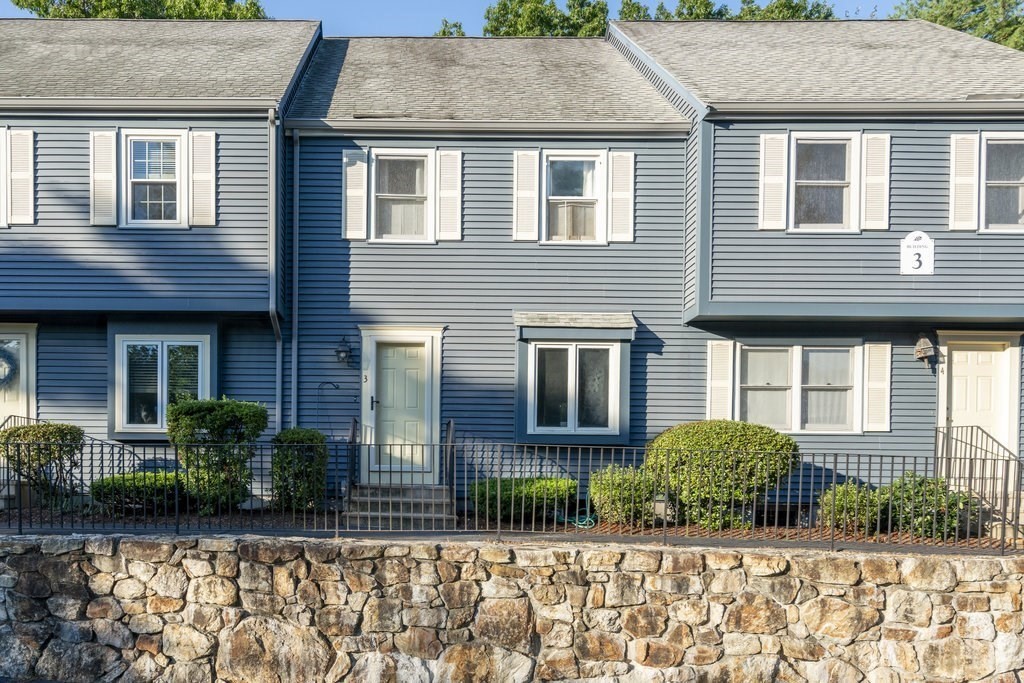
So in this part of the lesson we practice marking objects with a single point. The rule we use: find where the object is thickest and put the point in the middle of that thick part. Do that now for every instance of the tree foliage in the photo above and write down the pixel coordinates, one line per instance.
(1001, 21)
(143, 9)
(450, 29)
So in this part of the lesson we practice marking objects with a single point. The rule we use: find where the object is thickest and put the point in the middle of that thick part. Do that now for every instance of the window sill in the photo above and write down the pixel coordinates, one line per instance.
(998, 230)
(377, 240)
(570, 243)
(824, 231)
(153, 226)
(133, 434)
(577, 439)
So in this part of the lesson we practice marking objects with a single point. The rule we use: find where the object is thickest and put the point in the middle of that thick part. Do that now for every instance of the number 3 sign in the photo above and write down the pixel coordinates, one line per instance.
(917, 254)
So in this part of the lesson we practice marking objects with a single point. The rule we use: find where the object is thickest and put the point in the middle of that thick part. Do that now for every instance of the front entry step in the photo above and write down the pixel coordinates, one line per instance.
(400, 508)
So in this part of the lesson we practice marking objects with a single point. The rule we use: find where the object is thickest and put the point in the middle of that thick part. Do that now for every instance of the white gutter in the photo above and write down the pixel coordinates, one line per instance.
(978, 107)
(233, 104)
(396, 125)
(295, 281)
(272, 123)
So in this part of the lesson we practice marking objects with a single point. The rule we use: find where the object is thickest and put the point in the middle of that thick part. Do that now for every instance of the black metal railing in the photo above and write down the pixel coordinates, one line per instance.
(960, 498)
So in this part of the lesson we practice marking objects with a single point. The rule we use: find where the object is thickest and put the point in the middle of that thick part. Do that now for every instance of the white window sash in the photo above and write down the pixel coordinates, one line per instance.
(740, 387)
(429, 219)
(122, 342)
(600, 191)
(181, 172)
(572, 417)
(985, 184)
(853, 160)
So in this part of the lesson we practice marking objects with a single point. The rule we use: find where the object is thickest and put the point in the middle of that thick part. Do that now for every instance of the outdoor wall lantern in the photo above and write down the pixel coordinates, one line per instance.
(924, 350)
(344, 351)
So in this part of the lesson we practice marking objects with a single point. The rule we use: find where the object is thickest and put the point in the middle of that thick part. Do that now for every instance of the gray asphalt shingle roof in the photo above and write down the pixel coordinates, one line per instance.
(476, 79)
(96, 58)
(830, 61)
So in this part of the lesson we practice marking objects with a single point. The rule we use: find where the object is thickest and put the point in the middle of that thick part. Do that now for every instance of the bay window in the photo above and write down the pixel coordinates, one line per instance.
(574, 388)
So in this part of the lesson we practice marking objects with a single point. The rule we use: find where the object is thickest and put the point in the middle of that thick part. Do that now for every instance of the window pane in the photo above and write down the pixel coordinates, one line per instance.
(571, 178)
(821, 204)
(143, 362)
(182, 372)
(552, 387)
(593, 380)
(401, 176)
(821, 160)
(1004, 205)
(765, 367)
(572, 220)
(1005, 161)
(827, 367)
(154, 202)
(765, 406)
(154, 160)
(827, 409)
(401, 217)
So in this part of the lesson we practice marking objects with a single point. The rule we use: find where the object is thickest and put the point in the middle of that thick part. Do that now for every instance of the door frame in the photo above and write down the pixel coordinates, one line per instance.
(28, 330)
(1010, 343)
(428, 335)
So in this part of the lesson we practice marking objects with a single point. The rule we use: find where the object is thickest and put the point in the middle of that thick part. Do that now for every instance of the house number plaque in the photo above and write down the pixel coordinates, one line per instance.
(917, 254)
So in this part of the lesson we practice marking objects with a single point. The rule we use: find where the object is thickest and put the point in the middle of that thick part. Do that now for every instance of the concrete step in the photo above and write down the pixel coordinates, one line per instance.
(404, 507)
(400, 492)
(370, 521)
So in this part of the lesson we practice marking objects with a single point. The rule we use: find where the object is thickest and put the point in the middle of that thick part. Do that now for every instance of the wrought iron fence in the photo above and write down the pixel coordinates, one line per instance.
(960, 497)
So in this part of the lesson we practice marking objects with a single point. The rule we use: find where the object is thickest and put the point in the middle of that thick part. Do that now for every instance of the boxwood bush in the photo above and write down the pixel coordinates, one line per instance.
(148, 493)
(852, 507)
(214, 440)
(624, 495)
(522, 499)
(298, 469)
(928, 507)
(715, 468)
(44, 454)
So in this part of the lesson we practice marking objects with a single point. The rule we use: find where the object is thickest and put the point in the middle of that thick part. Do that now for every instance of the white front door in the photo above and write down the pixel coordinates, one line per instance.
(400, 387)
(17, 371)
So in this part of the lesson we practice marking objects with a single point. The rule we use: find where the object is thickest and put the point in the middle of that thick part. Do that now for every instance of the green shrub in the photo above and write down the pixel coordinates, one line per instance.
(150, 493)
(624, 495)
(44, 454)
(714, 469)
(214, 440)
(522, 500)
(927, 507)
(852, 507)
(298, 468)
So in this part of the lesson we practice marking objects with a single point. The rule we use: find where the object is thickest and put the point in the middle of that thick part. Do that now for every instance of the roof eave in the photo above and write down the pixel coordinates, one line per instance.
(673, 128)
(137, 104)
(721, 109)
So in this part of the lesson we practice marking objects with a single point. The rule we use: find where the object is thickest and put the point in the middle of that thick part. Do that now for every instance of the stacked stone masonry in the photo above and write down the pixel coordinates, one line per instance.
(274, 610)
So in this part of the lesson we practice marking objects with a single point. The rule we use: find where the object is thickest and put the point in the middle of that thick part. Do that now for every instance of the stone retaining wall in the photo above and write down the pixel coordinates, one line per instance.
(255, 610)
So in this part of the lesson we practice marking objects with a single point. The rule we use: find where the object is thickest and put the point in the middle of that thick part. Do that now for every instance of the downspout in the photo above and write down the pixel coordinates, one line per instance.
(295, 279)
(272, 123)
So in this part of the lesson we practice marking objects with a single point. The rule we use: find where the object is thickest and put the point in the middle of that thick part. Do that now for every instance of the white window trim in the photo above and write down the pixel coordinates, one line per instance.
(121, 342)
(600, 189)
(180, 137)
(430, 219)
(796, 387)
(1009, 136)
(853, 138)
(614, 393)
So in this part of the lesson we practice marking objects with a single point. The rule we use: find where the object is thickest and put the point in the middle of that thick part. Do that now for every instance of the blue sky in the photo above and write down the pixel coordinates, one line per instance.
(422, 17)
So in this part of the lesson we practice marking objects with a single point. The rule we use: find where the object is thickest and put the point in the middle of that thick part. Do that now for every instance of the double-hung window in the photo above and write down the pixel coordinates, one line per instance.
(154, 372)
(154, 179)
(824, 182)
(1004, 183)
(574, 186)
(799, 389)
(574, 388)
(403, 195)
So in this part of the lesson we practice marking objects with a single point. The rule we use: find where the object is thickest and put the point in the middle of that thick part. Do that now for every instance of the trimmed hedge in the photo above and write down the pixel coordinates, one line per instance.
(43, 453)
(852, 507)
(298, 469)
(149, 493)
(522, 500)
(623, 495)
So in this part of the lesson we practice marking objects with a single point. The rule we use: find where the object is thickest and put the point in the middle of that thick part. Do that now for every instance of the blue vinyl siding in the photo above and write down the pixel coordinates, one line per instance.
(64, 264)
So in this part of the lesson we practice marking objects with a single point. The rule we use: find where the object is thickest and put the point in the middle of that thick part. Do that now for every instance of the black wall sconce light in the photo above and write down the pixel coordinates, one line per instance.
(343, 352)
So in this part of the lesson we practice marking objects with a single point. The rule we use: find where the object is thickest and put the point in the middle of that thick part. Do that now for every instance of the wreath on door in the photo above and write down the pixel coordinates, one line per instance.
(8, 368)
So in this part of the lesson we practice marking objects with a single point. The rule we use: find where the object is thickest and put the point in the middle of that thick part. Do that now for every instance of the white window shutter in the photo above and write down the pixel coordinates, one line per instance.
(526, 196)
(621, 185)
(21, 188)
(963, 181)
(449, 195)
(720, 366)
(877, 381)
(103, 177)
(773, 209)
(875, 182)
(203, 187)
(354, 177)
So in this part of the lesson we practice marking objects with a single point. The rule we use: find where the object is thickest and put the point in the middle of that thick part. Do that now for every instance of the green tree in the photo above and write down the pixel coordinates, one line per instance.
(1001, 21)
(785, 10)
(585, 18)
(693, 9)
(632, 10)
(450, 29)
(143, 9)
(523, 18)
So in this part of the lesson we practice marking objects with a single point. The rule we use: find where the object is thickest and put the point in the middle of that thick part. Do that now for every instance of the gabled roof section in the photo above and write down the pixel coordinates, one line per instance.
(477, 84)
(81, 61)
(833, 66)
